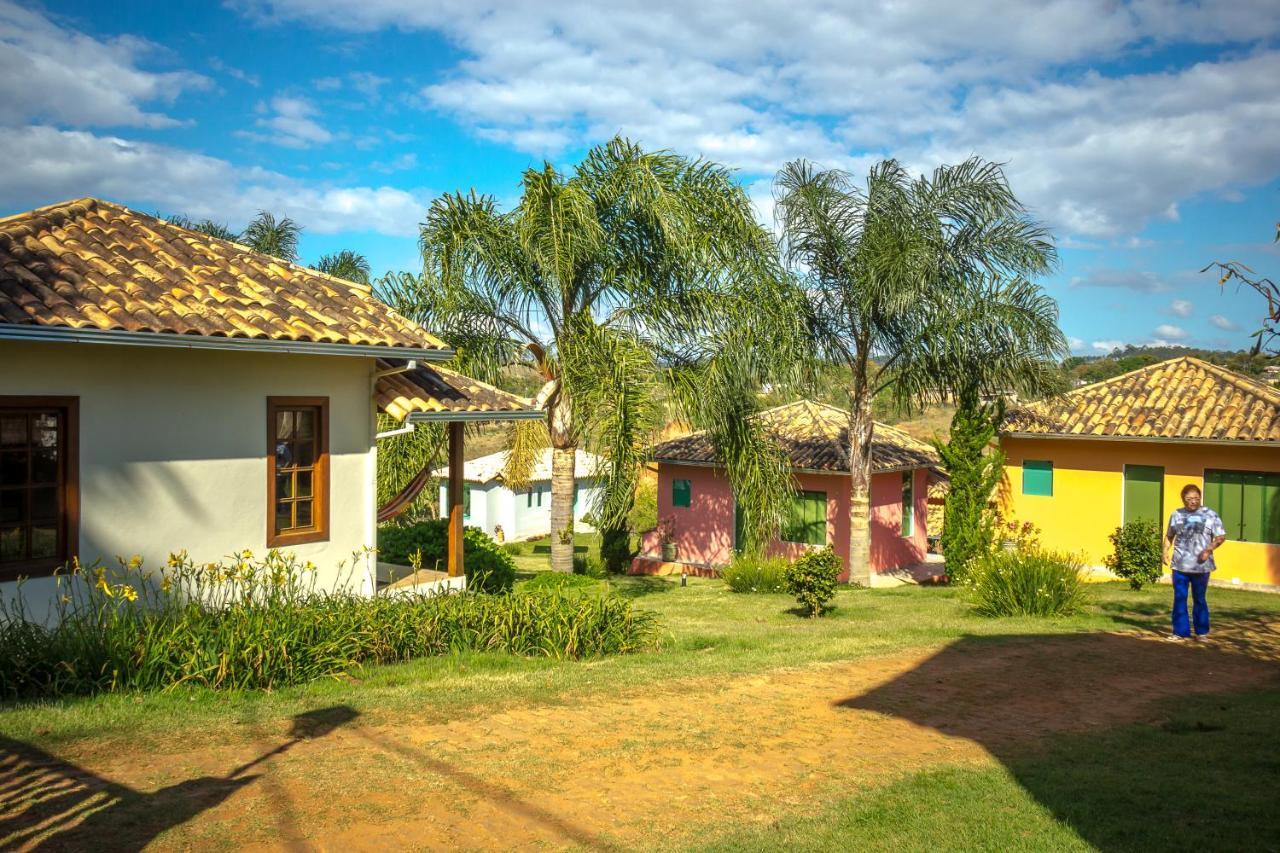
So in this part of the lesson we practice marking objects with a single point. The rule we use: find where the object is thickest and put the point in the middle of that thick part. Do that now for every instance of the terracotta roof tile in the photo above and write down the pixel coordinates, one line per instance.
(90, 264)
(438, 389)
(1183, 399)
(814, 437)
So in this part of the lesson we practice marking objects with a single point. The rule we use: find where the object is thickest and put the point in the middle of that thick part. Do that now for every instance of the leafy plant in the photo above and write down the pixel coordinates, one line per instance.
(589, 565)
(1027, 583)
(487, 565)
(753, 573)
(249, 623)
(812, 579)
(1136, 553)
(975, 470)
(347, 264)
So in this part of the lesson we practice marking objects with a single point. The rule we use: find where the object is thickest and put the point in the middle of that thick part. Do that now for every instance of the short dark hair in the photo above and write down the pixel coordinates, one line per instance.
(1190, 487)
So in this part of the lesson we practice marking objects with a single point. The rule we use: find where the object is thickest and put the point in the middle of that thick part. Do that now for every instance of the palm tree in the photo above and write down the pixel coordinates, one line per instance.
(880, 264)
(601, 279)
(271, 236)
(346, 264)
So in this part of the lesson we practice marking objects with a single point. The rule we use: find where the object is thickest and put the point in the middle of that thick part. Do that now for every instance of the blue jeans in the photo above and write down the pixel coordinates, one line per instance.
(1198, 582)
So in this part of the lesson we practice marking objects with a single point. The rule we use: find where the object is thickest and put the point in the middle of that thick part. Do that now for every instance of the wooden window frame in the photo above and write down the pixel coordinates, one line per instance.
(69, 535)
(319, 532)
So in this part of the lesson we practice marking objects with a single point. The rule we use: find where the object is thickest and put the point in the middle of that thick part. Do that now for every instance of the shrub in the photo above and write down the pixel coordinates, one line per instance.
(1137, 555)
(1027, 583)
(644, 509)
(615, 549)
(812, 579)
(247, 624)
(488, 567)
(589, 565)
(749, 573)
(974, 469)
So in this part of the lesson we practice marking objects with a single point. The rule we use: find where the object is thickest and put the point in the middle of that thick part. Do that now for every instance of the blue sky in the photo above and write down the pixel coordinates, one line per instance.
(1143, 133)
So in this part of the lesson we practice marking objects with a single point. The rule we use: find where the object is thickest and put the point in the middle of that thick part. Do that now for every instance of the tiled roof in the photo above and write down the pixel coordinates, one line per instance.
(437, 389)
(1182, 399)
(486, 468)
(814, 437)
(93, 265)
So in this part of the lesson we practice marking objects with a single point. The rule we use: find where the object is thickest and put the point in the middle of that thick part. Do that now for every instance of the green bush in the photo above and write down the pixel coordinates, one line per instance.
(589, 565)
(1027, 583)
(1136, 553)
(812, 579)
(488, 567)
(248, 624)
(749, 573)
(616, 550)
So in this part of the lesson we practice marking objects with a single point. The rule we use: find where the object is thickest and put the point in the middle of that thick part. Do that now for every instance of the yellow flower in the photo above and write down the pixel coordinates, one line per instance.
(165, 584)
(135, 562)
(246, 554)
(127, 592)
(104, 587)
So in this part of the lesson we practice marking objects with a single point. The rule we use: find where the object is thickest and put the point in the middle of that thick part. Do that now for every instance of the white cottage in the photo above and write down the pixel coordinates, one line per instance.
(164, 390)
(490, 505)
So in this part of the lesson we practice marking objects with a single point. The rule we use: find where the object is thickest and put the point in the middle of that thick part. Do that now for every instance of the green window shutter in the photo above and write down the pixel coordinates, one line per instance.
(1037, 478)
(1143, 493)
(1252, 501)
(1228, 490)
(1271, 509)
(807, 521)
(908, 504)
(1212, 496)
(681, 493)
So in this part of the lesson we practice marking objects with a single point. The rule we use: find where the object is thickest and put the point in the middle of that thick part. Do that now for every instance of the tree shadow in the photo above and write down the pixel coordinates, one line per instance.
(640, 586)
(1129, 741)
(47, 803)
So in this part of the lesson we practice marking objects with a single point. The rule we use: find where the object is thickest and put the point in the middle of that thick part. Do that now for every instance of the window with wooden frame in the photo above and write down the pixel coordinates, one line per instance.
(908, 528)
(39, 488)
(297, 470)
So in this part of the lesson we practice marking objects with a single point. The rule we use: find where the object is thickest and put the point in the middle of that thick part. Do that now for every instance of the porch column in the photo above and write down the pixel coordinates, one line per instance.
(454, 501)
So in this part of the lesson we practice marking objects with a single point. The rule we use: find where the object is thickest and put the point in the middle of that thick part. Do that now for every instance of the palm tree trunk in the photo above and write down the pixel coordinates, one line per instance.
(563, 448)
(861, 427)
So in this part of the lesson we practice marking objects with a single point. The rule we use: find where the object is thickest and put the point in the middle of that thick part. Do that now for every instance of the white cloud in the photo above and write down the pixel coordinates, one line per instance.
(1223, 323)
(291, 123)
(1141, 281)
(1181, 307)
(1107, 346)
(1075, 344)
(1169, 332)
(753, 85)
(62, 164)
(50, 73)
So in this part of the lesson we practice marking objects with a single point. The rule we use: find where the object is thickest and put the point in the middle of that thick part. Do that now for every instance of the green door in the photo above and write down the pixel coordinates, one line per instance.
(1143, 493)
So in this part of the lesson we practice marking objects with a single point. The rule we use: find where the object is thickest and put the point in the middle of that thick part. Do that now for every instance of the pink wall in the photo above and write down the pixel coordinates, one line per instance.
(704, 530)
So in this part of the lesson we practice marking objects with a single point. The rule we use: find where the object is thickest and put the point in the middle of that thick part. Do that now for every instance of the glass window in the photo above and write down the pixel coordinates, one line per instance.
(682, 493)
(908, 504)
(466, 500)
(1037, 478)
(299, 470)
(807, 521)
(1247, 501)
(37, 484)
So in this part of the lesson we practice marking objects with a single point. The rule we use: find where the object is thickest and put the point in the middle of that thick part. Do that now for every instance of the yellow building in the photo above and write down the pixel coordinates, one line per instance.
(1081, 464)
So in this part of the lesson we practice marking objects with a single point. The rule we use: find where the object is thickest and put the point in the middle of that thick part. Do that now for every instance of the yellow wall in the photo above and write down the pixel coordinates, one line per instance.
(1088, 485)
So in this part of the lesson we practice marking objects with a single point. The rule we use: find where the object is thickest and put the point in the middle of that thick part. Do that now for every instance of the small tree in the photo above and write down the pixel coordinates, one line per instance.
(975, 470)
(1137, 553)
(812, 580)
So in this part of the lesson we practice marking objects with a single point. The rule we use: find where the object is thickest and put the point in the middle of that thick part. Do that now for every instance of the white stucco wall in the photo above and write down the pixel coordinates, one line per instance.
(173, 447)
(493, 504)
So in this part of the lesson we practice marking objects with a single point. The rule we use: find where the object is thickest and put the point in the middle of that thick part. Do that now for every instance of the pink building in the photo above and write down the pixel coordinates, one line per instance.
(696, 501)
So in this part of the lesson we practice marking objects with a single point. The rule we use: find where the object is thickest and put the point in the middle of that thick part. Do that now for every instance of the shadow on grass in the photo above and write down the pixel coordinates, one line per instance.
(50, 804)
(1247, 630)
(1101, 731)
(639, 586)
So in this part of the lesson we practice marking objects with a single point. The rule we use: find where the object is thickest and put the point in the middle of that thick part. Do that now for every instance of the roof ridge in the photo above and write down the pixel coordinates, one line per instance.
(1239, 379)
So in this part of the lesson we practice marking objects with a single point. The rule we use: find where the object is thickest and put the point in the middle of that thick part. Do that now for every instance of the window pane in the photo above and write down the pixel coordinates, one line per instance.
(284, 486)
(908, 504)
(284, 453)
(303, 479)
(284, 425)
(13, 467)
(46, 420)
(284, 515)
(681, 493)
(304, 423)
(44, 504)
(13, 506)
(44, 541)
(13, 430)
(12, 543)
(304, 513)
(1037, 478)
(44, 465)
(304, 453)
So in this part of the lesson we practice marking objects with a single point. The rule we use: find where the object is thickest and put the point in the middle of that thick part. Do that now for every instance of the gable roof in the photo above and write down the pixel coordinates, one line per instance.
(814, 437)
(437, 393)
(485, 469)
(1183, 399)
(93, 270)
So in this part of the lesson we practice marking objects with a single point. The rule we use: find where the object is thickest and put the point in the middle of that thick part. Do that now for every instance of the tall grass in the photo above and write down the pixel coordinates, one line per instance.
(1029, 582)
(752, 573)
(259, 624)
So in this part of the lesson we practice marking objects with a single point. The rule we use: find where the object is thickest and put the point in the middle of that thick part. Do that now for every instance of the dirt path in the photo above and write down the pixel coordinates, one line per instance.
(622, 772)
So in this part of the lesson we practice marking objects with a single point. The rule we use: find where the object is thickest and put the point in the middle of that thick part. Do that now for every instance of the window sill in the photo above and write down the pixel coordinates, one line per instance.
(285, 540)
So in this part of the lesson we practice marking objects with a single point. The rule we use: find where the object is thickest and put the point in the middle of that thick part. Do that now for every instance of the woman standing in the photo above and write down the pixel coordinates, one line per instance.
(1194, 533)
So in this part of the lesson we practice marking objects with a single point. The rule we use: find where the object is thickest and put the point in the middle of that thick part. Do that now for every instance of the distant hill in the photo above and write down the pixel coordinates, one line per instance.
(1084, 369)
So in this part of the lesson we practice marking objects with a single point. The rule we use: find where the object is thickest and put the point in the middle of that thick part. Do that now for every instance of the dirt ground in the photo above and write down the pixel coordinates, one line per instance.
(645, 769)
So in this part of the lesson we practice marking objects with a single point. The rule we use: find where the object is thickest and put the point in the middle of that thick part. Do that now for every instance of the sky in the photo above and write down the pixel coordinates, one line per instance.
(1143, 133)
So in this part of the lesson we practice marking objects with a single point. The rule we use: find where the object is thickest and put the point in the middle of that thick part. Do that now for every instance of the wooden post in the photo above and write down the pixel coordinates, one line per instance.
(454, 502)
